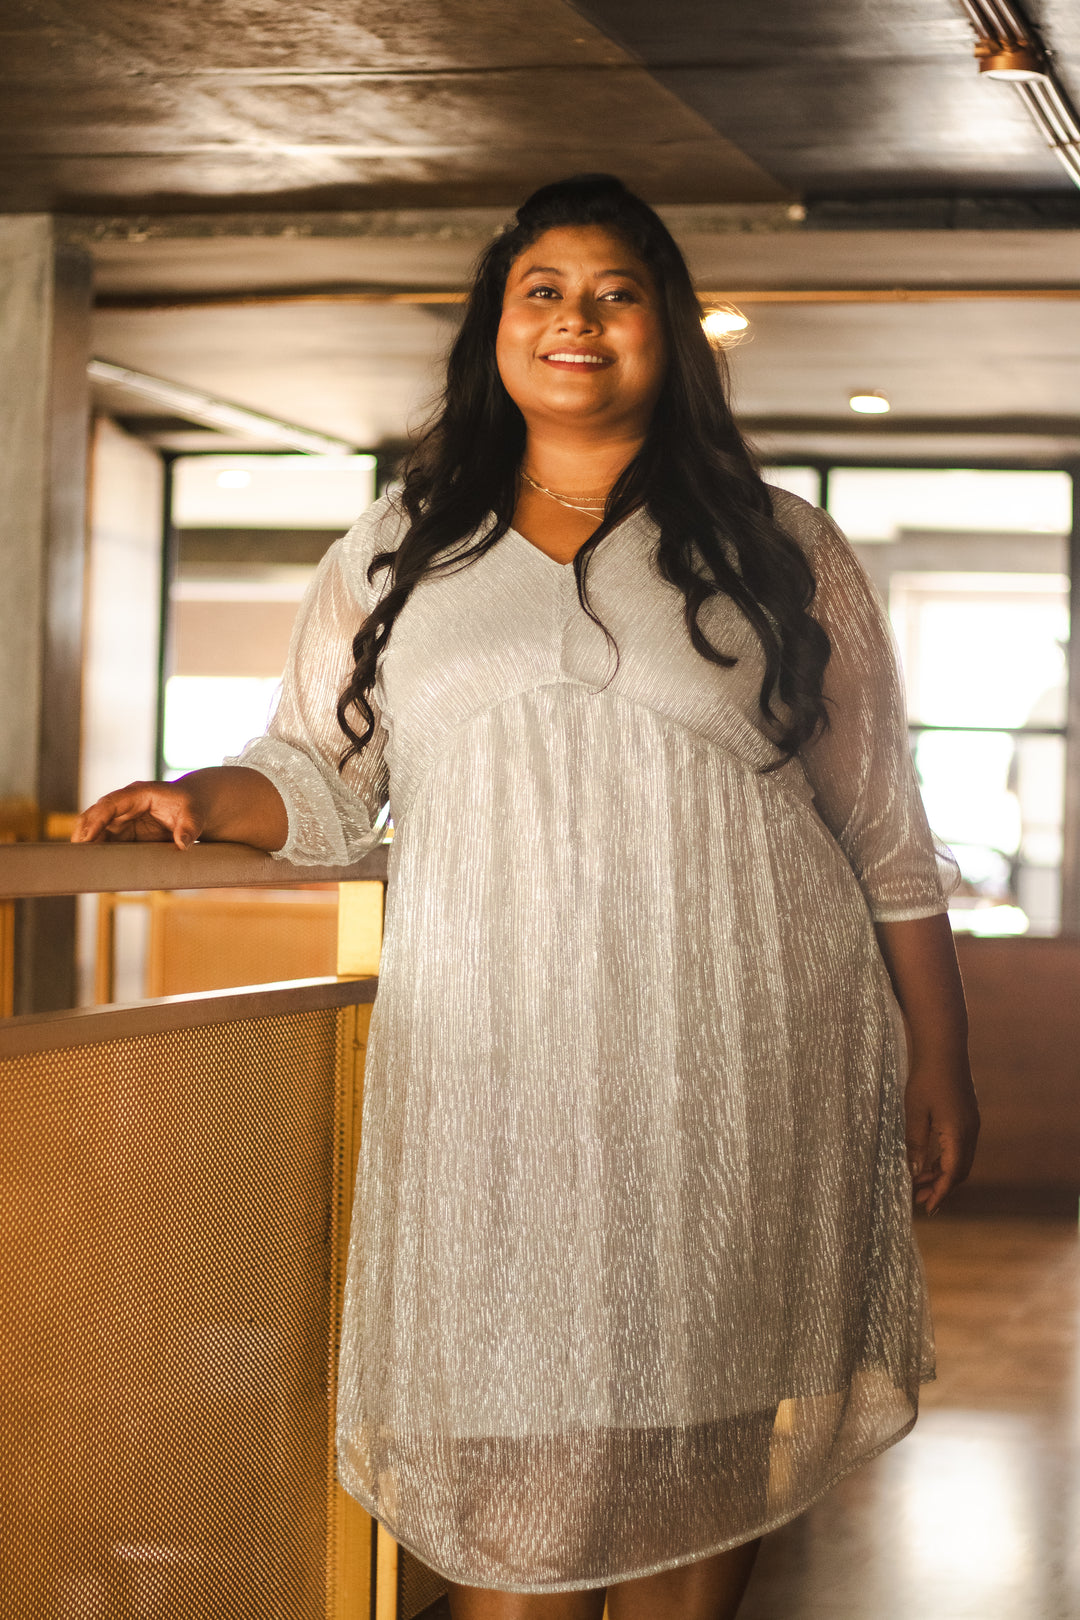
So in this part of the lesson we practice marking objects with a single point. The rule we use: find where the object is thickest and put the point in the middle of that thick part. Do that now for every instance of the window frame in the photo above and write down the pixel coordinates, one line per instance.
(825, 466)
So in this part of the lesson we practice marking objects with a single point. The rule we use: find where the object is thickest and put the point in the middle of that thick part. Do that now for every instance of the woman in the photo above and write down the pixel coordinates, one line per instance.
(632, 1278)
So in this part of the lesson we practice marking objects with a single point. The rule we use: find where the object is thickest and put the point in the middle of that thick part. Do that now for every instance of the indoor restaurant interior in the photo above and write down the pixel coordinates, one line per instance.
(234, 247)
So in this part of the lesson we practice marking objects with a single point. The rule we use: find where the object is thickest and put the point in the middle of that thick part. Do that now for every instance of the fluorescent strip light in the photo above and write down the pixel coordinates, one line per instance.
(198, 406)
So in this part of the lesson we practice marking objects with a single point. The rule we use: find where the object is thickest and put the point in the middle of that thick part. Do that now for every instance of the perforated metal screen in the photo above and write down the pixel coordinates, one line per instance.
(167, 1210)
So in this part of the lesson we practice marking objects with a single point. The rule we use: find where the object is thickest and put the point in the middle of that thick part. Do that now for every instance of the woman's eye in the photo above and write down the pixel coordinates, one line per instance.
(543, 292)
(620, 293)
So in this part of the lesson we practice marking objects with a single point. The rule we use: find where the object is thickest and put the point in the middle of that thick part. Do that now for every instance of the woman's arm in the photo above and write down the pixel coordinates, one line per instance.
(942, 1113)
(285, 791)
(222, 804)
(867, 794)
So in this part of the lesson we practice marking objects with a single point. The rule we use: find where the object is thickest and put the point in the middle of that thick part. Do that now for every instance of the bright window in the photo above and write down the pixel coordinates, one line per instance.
(252, 528)
(971, 564)
(879, 504)
(982, 649)
(209, 716)
(804, 481)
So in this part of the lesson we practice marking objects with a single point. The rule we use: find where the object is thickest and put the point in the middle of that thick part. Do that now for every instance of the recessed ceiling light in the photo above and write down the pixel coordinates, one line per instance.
(870, 403)
(725, 322)
(233, 478)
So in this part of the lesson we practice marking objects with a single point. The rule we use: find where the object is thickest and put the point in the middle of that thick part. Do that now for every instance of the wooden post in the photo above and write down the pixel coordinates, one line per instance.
(362, 1566)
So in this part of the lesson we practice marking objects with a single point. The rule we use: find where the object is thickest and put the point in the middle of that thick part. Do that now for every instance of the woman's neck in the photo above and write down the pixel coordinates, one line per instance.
(575, 465)
(572, 466)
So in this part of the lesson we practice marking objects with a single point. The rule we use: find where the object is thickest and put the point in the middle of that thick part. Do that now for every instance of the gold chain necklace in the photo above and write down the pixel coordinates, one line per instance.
(590, 506)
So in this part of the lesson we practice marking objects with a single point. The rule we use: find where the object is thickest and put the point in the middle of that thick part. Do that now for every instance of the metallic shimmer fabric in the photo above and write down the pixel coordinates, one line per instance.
(632, 1275)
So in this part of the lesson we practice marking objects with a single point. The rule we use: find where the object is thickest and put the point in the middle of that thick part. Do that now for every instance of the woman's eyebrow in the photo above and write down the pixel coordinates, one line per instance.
(553, 270)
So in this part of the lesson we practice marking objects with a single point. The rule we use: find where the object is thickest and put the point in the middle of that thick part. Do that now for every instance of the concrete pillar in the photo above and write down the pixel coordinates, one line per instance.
(123, 612)
(120, 665)
(45, 305)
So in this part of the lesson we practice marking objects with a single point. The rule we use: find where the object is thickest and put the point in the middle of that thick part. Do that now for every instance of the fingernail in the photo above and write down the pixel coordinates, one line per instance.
(916, 1167)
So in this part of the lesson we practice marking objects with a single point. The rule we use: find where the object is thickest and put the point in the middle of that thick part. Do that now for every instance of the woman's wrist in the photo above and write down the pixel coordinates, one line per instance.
(939, 1046)
(237, 805)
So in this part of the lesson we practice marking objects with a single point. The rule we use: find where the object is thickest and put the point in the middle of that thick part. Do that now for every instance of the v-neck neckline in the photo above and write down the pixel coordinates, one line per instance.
(554, 561)
(546, 555)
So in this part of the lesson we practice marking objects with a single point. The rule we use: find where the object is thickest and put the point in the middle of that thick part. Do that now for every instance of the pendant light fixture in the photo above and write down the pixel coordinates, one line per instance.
(725, 324)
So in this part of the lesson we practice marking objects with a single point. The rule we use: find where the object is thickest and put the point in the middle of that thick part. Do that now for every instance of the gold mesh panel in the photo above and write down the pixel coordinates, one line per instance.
(167, 1212)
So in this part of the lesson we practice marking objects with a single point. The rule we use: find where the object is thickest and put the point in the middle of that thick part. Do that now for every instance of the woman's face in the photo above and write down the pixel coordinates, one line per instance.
(581, 337)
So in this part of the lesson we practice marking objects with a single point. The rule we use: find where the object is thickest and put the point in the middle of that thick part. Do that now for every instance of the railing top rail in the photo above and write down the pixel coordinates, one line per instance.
(89, 1026)
(30, 871)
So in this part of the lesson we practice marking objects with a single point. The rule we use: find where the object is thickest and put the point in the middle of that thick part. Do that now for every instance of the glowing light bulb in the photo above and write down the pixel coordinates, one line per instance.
(871, 403)
(724, 323)
(233, 478)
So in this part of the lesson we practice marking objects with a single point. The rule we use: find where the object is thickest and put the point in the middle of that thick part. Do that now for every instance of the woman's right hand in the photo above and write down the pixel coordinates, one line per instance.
(144, 813)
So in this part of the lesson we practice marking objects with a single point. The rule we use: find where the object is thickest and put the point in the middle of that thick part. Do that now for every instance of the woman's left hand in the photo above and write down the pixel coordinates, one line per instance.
(942, 1127)
(942, 1113)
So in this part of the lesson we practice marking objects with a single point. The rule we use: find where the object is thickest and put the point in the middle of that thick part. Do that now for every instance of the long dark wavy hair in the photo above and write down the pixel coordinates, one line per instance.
(693, 473)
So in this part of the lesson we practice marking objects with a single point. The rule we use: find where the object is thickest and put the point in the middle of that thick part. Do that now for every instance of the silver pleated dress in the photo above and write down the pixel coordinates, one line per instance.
(632, 1276)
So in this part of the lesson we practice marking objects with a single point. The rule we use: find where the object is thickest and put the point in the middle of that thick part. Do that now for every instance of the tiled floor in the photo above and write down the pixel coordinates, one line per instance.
(976, 1515)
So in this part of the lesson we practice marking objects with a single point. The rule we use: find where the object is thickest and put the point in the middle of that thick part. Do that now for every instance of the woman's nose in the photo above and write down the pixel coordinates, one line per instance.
(578, 315)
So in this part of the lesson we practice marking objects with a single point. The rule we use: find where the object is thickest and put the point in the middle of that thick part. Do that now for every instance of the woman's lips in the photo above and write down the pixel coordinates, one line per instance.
(575, 360)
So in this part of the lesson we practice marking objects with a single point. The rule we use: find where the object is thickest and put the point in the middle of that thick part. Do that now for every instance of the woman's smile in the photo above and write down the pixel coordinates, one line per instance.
(577, 359)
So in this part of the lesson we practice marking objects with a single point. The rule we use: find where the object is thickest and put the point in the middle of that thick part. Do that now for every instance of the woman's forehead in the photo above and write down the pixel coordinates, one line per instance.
(568, 249)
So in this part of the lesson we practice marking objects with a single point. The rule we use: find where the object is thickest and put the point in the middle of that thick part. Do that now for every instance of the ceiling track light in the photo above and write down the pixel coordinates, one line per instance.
(1008, 48)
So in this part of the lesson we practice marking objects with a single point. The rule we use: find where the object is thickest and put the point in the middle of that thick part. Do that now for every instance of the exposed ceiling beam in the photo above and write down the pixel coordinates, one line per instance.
(141, 302)
(1011, 211)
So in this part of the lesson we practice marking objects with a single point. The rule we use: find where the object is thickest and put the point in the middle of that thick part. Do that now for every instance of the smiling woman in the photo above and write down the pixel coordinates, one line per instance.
(589, 269)
(631, 1277)
(581, 352)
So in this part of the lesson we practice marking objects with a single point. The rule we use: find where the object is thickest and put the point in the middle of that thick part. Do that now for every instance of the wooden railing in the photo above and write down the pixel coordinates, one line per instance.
(32, 871)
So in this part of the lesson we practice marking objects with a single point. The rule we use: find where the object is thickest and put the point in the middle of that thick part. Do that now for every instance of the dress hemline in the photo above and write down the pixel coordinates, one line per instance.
(766, 1528)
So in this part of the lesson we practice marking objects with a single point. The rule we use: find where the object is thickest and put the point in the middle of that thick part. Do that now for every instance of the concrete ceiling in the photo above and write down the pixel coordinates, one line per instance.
(728, 250)
(205, 151)
(116, 104)
(113, 104)
(357, 372)
(850, 97)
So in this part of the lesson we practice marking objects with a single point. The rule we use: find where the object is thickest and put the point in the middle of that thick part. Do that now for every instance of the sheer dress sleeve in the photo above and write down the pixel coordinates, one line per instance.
(861, 771)
(334, 818)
